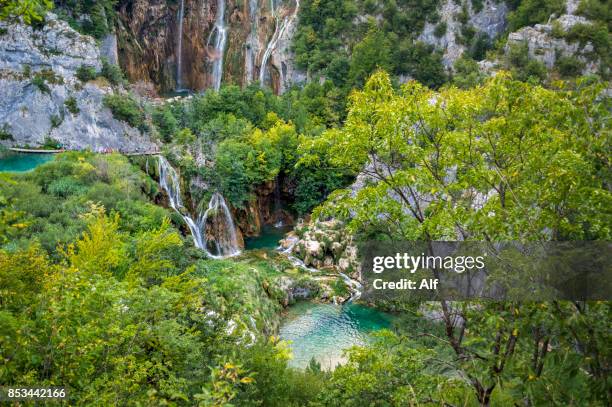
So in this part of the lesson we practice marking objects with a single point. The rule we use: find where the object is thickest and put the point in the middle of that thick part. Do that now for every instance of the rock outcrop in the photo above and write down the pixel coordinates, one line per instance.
(489, 21)
(266, 208)
(324, 245)
(41, 98)
(547, 46)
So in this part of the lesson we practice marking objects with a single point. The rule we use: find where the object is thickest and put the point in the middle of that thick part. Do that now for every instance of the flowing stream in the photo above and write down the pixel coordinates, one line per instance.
(179, 51)
(279, 31)
(214, 230)
(220, 39)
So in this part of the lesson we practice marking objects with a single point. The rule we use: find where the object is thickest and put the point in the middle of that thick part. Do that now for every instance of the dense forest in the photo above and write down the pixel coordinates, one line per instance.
(114, 282)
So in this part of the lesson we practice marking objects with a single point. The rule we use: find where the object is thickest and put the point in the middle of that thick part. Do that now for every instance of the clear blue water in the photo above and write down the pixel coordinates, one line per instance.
(20, 162)
(267, 239)
(324, 331)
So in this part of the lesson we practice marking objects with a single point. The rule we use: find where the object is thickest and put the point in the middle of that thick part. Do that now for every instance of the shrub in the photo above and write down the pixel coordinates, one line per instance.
(597, 34)
(477, 5)
(534, 71)
(569, 66)
(50, 77)
(51, 143)
(39, 82)
(71, 105)
(86, 73)
(64, 187)
(5, 133)
(56, 121)
(467, 73)
(440, 29)
(113, 73)
(126, 109)
(530, 12)
(166, 123)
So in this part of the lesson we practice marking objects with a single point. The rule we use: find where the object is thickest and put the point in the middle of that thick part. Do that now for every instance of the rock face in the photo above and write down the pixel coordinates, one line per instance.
(265, 209)
(41, 98)
(55, 46)
(258, 32)
(546, 48)
(489, 21)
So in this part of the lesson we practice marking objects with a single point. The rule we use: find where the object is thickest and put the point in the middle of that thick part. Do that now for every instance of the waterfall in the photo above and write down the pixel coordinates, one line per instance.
(220, 39)
(279, 31)
(223, 233)
(353, 285)
(179, 52)
(252, 43)
(207, 230)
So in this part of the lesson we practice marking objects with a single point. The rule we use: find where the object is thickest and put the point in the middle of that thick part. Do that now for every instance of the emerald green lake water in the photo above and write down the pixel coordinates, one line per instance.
(323, 331)
(19, 162)
(267, 239)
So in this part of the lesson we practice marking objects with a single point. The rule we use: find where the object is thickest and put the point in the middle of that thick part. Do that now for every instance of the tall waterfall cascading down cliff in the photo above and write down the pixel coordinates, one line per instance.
(220, 32)
(279, 31)
(214, 230)
(179, 48)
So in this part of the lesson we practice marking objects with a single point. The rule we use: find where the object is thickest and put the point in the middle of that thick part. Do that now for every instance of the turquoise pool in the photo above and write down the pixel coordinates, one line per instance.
(20, 162)
(324, 331)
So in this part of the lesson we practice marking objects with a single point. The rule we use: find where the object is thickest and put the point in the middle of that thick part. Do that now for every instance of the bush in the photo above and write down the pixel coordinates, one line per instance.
(126, 109)
(530, 12)
(166, 123)
(65, 187)
(440, 29)
(71, 105)
(113, 73)
(5, 133)
(86, 73)
(56, 121)
(569, 66)
(51, 143)
(40, 83)
(597, 34)
(467, 73)
(535, 72)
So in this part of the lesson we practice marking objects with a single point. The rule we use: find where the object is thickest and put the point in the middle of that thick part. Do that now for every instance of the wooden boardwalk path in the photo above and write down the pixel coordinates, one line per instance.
(35, 151)
(41, 151)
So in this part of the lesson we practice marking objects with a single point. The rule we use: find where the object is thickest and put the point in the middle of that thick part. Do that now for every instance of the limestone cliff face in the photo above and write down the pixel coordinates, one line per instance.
(545, 47)
(489, 21)
(180, 44)
(41, 98)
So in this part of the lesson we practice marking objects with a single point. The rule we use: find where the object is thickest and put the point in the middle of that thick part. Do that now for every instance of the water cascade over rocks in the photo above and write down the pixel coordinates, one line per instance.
(220, 32)
(214, 230)
(354, 286)
(179, 46)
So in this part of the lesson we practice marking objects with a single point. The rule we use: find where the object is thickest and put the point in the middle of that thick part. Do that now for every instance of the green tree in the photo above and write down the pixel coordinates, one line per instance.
(371, 53)
(32, 11)
(505, 161)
